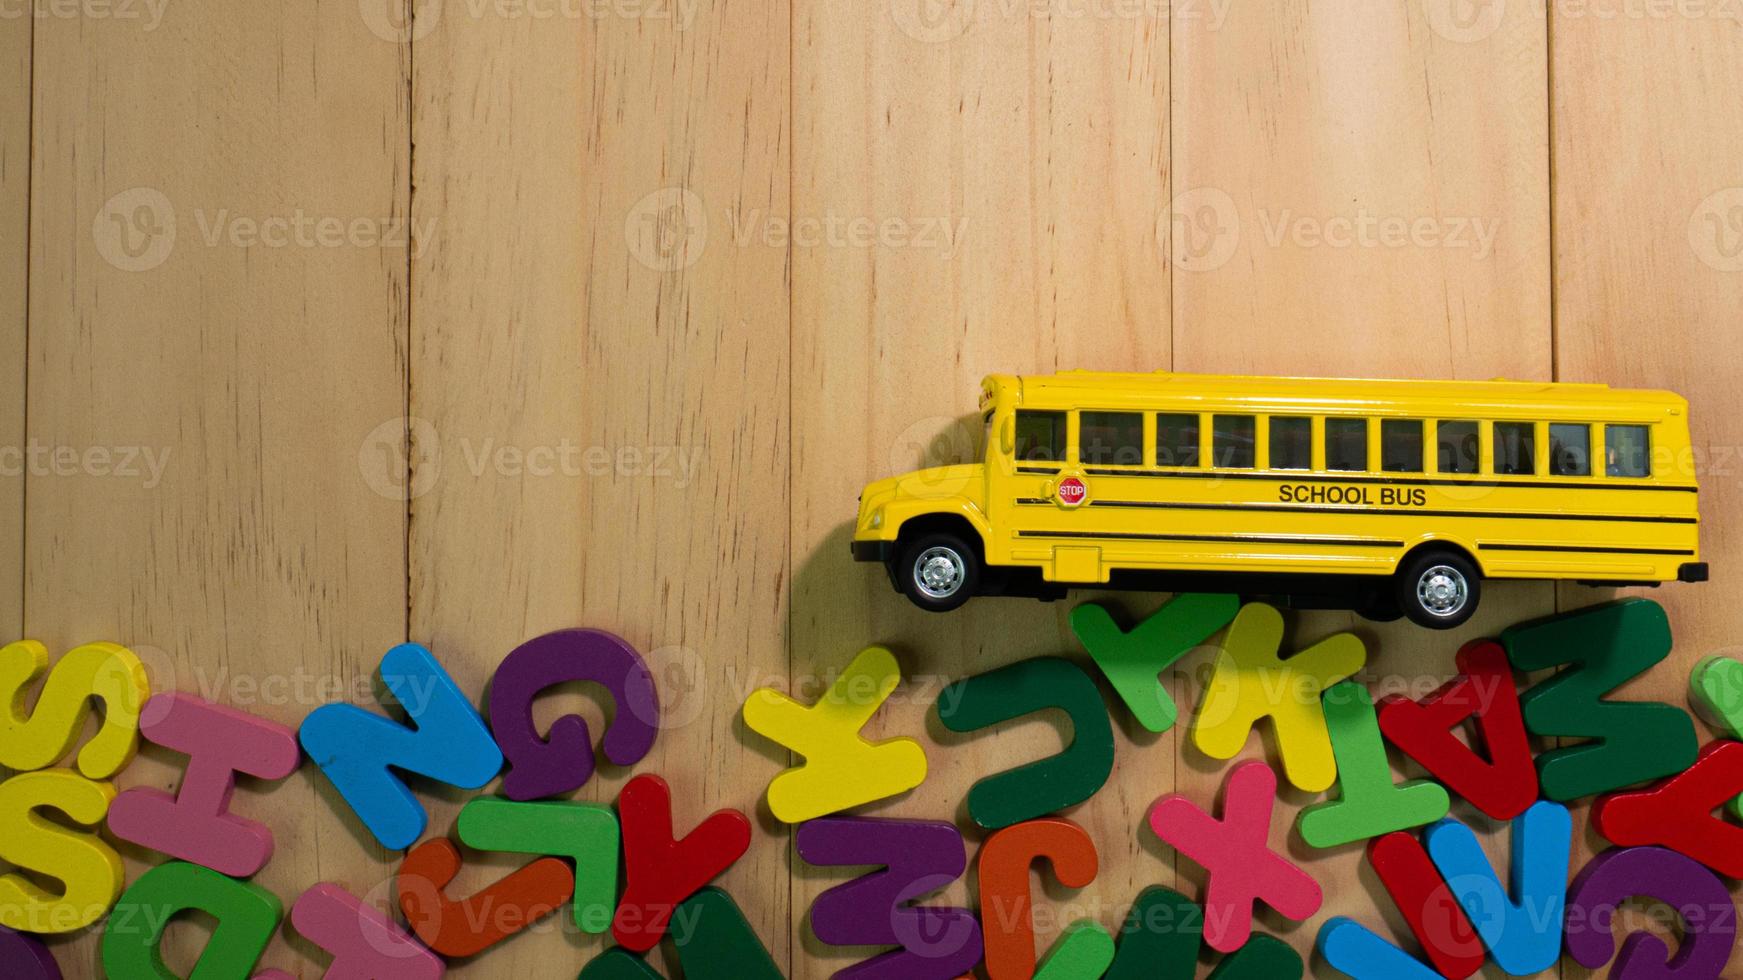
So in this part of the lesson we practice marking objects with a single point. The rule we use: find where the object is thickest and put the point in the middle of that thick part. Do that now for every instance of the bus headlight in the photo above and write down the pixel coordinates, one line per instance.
(877, 519)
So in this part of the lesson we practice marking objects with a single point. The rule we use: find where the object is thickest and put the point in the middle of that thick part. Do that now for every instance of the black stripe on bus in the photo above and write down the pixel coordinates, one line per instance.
(1309, 509)
(1364, 480)
(1224, 538)
(1584, 549)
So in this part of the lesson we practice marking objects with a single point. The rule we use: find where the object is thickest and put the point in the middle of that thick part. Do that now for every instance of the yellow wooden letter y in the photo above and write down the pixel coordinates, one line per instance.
(841, 768)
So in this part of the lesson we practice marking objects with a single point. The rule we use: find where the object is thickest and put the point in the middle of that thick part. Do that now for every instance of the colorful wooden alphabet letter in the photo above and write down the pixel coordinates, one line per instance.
(1502, 786)
(1262, 958)
(914, 857)
(713, 944)
(358, 751)
(1369, 804)
(89, 869)
(1709, 918)
(365, 944)
(1601, 648)
(1252, 682)
(1716, 688)
(1520, 924)
(1007, 924)
(247, 917)
(1357, 951)
(466, 927)
(1051, 784)
(716, 943)
(563, 760)
(1163, 932)
(26, 958)
(1161, 937)
(585, 833)
(1083, 952)
(195, 823)
(842, 769)
(103, 671)
(1236, 854)
(1678, 813)
(1135, 661)
(1426, 901)
(659, 871)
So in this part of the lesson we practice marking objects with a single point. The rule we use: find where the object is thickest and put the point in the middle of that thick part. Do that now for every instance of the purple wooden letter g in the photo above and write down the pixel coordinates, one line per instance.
(1697, 894)
(563, 760)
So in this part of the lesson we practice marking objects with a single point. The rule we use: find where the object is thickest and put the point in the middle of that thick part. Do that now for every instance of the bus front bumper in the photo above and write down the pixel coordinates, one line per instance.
(1693, 571)
(879, 551)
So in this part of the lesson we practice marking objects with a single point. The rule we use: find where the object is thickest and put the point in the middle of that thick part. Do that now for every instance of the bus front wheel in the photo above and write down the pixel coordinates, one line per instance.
(938, 572)
(1438, 589)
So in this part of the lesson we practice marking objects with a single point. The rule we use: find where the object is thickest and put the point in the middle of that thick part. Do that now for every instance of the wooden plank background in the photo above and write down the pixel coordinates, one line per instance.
(628, 300)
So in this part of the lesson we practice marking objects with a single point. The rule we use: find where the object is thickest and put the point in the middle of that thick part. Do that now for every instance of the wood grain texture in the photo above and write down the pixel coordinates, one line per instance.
(258, 566)
(1040, 143)
(1649, 274)
(1301, 133)
(666, 283)
(14, 278)
(600, 366)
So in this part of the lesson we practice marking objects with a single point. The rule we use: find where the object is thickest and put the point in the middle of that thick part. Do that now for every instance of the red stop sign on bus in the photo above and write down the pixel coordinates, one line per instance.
(1072, 491)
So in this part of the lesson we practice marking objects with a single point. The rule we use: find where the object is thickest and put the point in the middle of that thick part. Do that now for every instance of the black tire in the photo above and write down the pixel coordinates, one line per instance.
(1438, 589)
(1380, 606)
(937, 587)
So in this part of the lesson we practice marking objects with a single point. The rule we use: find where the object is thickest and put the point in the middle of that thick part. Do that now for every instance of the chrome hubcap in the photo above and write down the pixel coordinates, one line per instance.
(939, 572)
(1443, 591)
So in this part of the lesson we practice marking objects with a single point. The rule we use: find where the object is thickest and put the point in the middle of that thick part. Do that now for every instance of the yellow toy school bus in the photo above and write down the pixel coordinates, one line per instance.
(1400, 496)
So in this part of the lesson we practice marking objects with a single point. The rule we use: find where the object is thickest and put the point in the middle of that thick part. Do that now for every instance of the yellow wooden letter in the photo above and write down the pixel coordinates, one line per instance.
(841, 768)
(88, 869)
(1252, 681)
(42, 737)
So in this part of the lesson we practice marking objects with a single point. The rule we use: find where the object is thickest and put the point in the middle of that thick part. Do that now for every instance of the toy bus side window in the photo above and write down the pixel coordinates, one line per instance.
(1040, 437)
(1628, 450)
(1570, 449)
(1456, 446)
(1110, 438)
(1177, 440)
(1346, 444)
(1515, 448)
(1401, 445)
(1234, 441)
(1291, 443)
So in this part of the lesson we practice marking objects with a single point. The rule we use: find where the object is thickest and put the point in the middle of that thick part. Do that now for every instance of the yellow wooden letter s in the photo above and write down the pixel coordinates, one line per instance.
(40, 738)
(88, 869)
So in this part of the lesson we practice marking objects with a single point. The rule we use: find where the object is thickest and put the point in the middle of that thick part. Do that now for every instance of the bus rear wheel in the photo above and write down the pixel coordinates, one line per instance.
(1438, 589)
(938, 572)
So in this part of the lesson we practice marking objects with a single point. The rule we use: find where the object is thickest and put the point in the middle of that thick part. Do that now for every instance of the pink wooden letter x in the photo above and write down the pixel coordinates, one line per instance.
(1242, 868)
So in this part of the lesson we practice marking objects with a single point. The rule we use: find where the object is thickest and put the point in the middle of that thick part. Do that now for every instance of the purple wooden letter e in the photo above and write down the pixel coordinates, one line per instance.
(563, 760)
